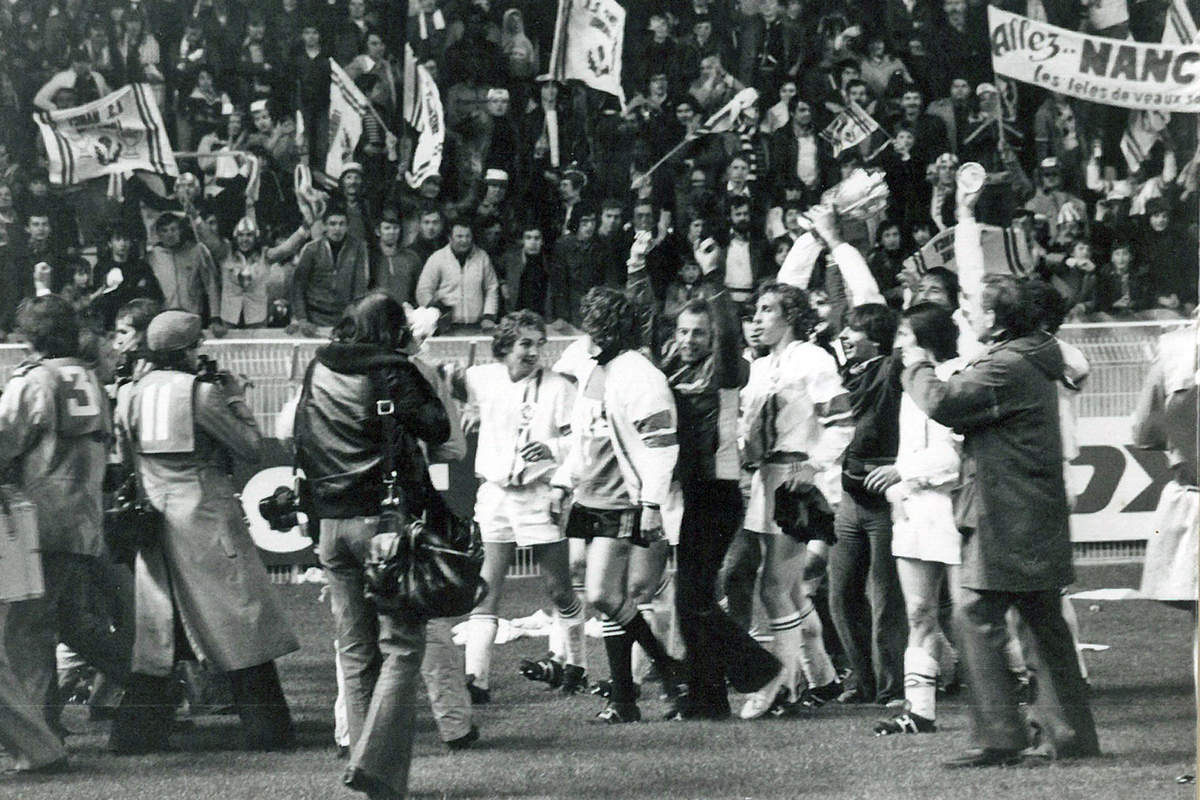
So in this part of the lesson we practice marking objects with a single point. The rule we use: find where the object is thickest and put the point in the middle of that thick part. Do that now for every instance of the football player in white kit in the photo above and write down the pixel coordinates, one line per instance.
(522, 412)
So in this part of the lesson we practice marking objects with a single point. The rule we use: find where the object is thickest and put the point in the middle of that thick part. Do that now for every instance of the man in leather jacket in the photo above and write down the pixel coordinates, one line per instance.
(342, 458)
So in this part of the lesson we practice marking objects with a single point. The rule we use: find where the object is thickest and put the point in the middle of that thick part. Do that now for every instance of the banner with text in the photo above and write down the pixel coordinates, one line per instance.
(588, 42)
(116, 134)
(1115, 72)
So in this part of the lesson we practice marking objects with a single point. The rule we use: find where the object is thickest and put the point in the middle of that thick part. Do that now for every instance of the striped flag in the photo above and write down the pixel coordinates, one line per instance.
(347, 109)
(1005, 251)
(423, 111)
(1142, 130)
(114, 135)
(851, 128)
(1179, 27)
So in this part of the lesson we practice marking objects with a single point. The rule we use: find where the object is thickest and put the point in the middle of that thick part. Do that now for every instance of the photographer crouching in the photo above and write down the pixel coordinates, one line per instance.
(200, 585)
(343, 444)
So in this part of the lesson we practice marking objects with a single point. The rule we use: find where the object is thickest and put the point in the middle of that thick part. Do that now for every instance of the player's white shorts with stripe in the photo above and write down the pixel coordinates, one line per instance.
(518, 514)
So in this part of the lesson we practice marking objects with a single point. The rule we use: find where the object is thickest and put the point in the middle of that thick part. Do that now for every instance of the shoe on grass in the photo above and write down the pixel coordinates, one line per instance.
(479, 695)
(815, 698)
(987, 757)
(618, 714)
(907, 722)
(546, 670)
(574, 680)
(464, 741)
(765, 698)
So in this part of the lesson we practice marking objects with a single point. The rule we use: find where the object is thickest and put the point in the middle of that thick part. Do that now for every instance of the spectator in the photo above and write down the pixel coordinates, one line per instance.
(394, 268)
(799, 154)
(85, 84)
(525, 272)
(121, 275)
(931, 138)
(576, 268)
(459, 278)
(1123, 288)
(1049, 198)
(880, 66)
(332, 272)
(184, 269)
(745, 262)
(887, 260)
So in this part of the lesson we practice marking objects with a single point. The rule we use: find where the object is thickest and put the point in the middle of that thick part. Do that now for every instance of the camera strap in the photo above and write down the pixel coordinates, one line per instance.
(385, 409)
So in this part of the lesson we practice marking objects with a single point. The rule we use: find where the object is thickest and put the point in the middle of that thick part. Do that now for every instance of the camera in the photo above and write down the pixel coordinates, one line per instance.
(206, 369)
(281, 509)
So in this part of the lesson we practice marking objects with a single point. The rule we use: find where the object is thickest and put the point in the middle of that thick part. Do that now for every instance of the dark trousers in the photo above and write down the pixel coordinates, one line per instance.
(866, 600)
(716, 646)
(143, 720)
(1061, 709)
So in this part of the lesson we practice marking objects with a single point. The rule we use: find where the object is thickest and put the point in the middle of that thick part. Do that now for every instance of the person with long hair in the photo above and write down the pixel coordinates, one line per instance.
(795, 425)
(925, 540)
(621, 457)
(340, 446)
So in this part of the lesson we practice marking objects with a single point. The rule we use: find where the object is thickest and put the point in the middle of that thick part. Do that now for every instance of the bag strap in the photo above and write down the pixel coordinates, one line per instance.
(385, 409)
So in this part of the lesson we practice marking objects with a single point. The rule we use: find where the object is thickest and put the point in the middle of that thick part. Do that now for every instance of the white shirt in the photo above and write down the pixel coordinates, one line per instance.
(739, 277)
(512, 414)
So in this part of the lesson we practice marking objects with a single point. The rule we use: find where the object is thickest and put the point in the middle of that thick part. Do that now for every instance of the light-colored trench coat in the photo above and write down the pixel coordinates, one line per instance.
(207, 563)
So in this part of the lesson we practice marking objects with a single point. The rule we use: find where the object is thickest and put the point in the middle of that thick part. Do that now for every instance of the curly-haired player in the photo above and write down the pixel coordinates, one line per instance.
(622, 454)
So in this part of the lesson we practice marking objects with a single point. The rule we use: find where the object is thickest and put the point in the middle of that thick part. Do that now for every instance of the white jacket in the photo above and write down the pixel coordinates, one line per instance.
(640, 411)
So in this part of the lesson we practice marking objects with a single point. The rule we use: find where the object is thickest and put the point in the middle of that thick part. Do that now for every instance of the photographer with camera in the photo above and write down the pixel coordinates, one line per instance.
(200, 584)
(342, 444)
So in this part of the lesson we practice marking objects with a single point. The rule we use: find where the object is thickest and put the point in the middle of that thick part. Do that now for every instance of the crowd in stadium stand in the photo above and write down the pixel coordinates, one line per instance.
(533, 199)
(859, 417)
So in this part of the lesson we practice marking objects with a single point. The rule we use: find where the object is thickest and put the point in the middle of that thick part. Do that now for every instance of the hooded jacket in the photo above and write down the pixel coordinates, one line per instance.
(1011, 503)
(339, 438)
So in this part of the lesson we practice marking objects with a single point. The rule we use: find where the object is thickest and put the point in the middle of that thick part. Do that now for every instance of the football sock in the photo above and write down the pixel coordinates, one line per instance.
(568, 625)
(814, 660)
(618, 646)
(642, 660)
(481, 637)
(787, 647)
(640, 632)
(920, 681)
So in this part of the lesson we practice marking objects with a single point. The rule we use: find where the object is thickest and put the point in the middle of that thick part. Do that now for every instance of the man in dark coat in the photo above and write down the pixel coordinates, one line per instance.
(1013, 514)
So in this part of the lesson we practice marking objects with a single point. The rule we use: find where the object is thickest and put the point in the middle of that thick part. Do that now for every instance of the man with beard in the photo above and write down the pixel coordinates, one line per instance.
(746, 261)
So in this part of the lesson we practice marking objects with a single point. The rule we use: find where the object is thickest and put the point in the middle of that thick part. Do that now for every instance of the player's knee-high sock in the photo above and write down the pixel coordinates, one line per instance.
(1068, 612)
(618, 646)
(815, 663)
(920, 681)
(786, 647)
(481, 637)
(1013, 654)
(641, 659)
(568, 625)
(635, 625)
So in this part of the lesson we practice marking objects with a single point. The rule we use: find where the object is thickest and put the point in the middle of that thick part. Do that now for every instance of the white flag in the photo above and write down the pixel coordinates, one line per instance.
(114, 135)
(588, 39)
(423, 111)
(347, 108)
(850, 128)
(1179, 27)
(726, 117)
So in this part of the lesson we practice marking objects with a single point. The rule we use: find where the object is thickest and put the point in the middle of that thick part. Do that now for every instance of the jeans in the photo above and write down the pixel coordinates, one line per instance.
(866, 600)
(716, 645)
(23, 730)
(380, 657)
(1061, 708)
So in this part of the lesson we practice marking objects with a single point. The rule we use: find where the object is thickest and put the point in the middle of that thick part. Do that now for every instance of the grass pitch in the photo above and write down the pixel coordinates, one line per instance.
(537, 744)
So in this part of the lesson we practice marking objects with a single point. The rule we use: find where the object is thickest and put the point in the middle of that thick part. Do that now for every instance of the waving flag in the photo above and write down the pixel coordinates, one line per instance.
(347, 108)
(1005, 251)
(423, 111)
(851, 128)
(589, 37)
(114, 135)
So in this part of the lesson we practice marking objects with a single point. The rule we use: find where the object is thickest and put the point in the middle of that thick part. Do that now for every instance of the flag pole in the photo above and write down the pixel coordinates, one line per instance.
(670, 154)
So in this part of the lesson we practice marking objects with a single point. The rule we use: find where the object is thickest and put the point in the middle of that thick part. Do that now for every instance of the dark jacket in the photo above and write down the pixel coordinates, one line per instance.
(339, 438)
(1012, 504)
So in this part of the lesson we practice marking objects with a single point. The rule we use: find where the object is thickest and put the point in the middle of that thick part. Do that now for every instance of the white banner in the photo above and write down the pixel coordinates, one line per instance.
(424, 113)
(347, 108)
(114, 135)
(588, 40)
(1113, 72)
